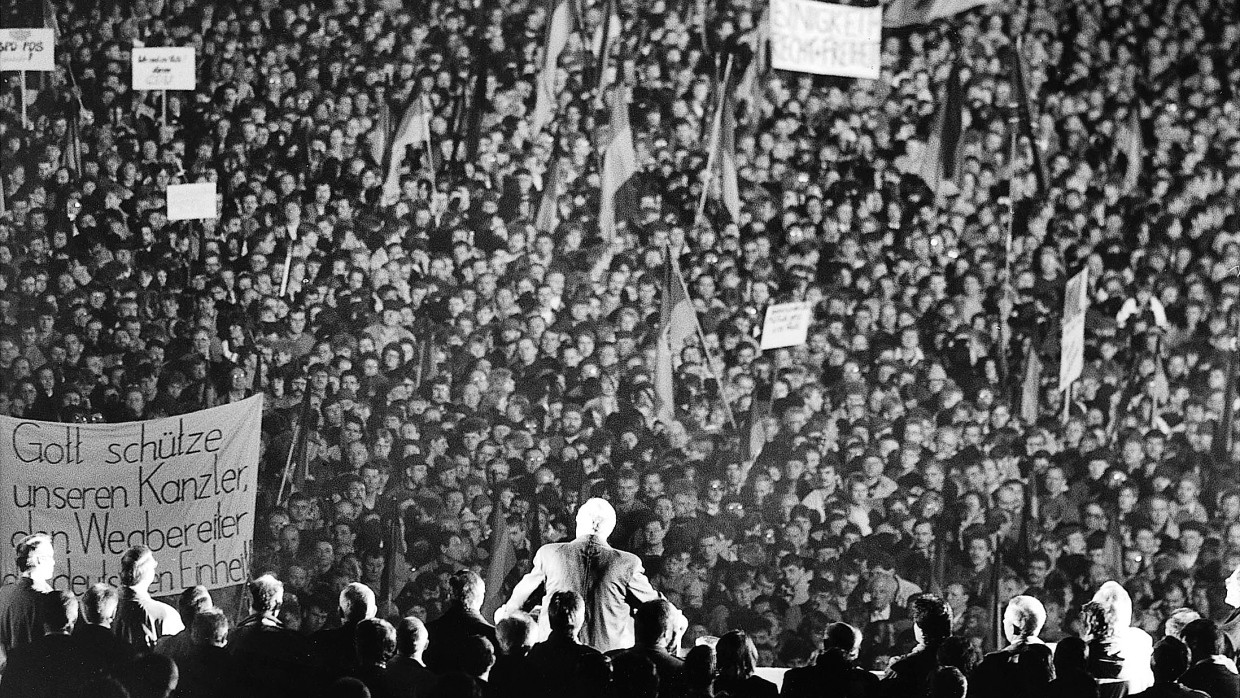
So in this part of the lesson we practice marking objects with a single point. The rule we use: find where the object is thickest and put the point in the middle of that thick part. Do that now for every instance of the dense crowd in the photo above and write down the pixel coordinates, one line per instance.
(433, 352)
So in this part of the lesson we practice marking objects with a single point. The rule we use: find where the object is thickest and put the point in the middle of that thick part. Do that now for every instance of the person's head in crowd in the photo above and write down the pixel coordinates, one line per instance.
(374, 639)
(35, 557)
(948, 682)
(515, 633)
(635, 674)
(99, 605)
(349, 687)
(266, 596)
(1178, 620)
(357, 603)
(596, 517)
(1023, 619)
(844, 638)
(477, 656)
(566, 612)
(653, 623)
(60, 612)
(210, 627)
(468, 589)
(1170, 660)
(149, 676)
(1204, 639)
(192, 601)
(411, 638)
(138, 568)
(932, 619)
(736, 657)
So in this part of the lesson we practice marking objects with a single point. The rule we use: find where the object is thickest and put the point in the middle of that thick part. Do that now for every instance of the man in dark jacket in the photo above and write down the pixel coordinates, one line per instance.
(21, 603)
(466, 591)
(49, 666)
(1210, 671)
(334, 652)
(910, 675)
(834, 668)
(271, 660)
(1023, 668)
(655, 630)
(558, 659)
(1169, 663)
(406, 673)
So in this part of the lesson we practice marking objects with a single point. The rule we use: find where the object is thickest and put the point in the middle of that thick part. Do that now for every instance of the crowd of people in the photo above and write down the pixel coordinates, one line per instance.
(448, 376)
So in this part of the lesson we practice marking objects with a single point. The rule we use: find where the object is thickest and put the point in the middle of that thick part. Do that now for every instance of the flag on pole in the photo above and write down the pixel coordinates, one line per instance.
(677, 320)
(72, 156)
(548, 217)
(728, 181)
(411, 131)
(1031, 386)
(750, 88)
(503, 558)
(379, 138)
(905, 13)
(939, 161)
(759, 409)
(559, 27)
(1133, 143)
(998, 638)
(1025, 108)
(50, 21)
(619, 168)
(1224, 431)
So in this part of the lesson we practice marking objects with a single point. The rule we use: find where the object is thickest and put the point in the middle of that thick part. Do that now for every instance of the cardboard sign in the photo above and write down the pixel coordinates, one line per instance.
(164, 69)
(824, 39)
(1072, 342)
(32, 50)
(191, 201)
(786, 325)
(183, 486)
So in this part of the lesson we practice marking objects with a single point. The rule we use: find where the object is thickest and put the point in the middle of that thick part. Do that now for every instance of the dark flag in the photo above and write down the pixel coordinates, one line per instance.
(1025, 109)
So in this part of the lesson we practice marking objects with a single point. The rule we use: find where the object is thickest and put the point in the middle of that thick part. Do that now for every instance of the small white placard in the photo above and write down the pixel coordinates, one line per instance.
(31, 49)
(786, 325)
(191, 201)
(164, 68)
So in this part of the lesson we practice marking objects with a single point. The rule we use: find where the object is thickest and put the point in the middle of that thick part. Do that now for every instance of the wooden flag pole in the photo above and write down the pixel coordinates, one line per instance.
(21, 94)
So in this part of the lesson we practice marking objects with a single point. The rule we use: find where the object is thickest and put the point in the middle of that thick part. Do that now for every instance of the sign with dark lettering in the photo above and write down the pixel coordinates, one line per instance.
(164, 68)
(183, 486)
(825, 39)
(28, 49)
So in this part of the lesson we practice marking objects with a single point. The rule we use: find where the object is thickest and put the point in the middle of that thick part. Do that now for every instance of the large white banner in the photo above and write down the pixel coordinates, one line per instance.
(183, 486)
(30, 49)
(1072, 341)
(825, 39)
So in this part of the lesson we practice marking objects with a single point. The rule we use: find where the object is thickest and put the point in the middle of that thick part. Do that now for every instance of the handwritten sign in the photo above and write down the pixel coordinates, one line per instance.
(164, 69)
(786, 325)
(187, 202)
(825, 39)
(28, 49)
(183, 486)
(1072, 341)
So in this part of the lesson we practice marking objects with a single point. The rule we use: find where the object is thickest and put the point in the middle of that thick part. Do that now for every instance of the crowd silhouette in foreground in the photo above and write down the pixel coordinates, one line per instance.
(456, 353)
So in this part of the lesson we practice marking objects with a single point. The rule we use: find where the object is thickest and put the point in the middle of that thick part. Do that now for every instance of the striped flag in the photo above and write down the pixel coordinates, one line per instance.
(1225, 428)
(73, 144)
(50, 21)
(759, 409)
(728, 181)
(750, 88)
(939, 162)
(548, 217)
(414, 128)
(380, 136)
(559, 27)
(1133, 144)
(905, 13)
(677, 320)
(1025, 108)
(619, 168)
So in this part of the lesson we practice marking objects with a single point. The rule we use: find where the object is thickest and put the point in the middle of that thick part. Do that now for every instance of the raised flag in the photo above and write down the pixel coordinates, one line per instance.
(1133, 144)
(729, 182)
(1031, 386)
(939, 161)
(502, 559)
(1225, 429)
(904, 13)
(379, 138)
(559, 27)
(1072, 339)
(413, 129)
(73, 144)
(619, 167)
(1025, 109)
(549, 206)
(677, 320)
(750, 89)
